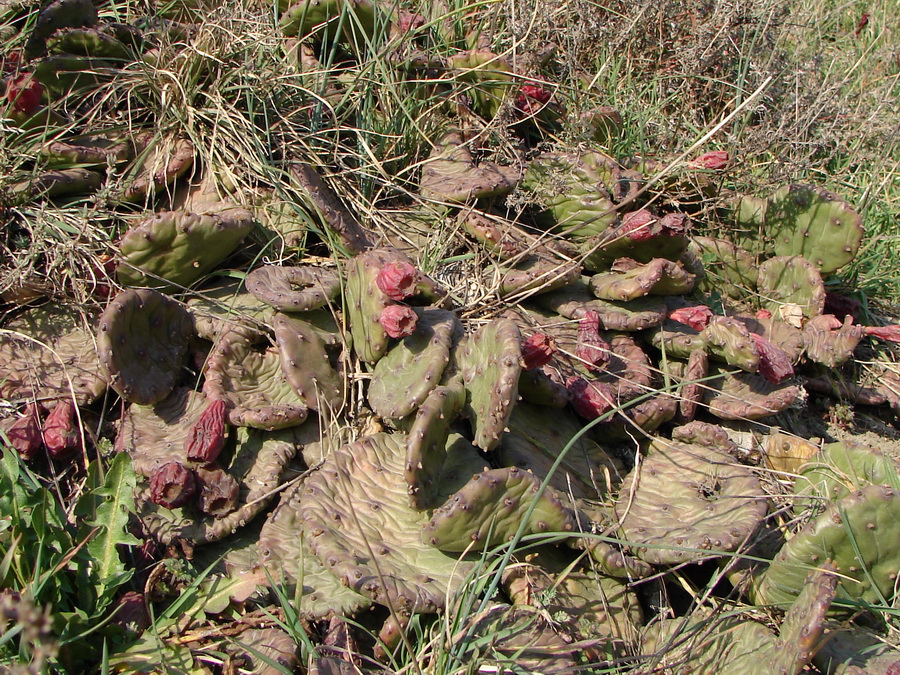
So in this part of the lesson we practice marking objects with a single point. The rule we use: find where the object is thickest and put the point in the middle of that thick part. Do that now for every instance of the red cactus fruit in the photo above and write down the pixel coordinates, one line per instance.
(172, 485)
(531, 98)
(537, 351)
(886, 333)
(407, 21)
(398, 280)
(24, 434)
(398, 321)
(207, 435)
(763, 314)
(696, 317)
(62, 437)
(24, 93)
(592, 350)
(219, 491)
(636, 225)
(774, 363)
(590, 399)
(717, 159)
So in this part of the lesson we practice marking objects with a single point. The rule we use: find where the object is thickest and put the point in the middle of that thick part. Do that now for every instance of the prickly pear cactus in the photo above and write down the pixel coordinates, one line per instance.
(159, 163)
(575, 300)
(791, 280)
(306, 365)
(746, 396)
(688, 502)
(294, 289)
(450, 174)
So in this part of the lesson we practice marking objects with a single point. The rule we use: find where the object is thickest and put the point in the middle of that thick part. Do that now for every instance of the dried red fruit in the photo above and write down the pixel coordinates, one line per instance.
(398, 321)
(537, 351)
(763, 314)
(842, 306)
(636, 225)
(172, 485)
(696, 317)
(398, 280)
(207, 435)
(717, 159)
(24, 93)
(774, 363)
(592, 350)
(590, 399)
(531, 98)
(886, 333)
(219, 491)
(62, 436)
(24, 434)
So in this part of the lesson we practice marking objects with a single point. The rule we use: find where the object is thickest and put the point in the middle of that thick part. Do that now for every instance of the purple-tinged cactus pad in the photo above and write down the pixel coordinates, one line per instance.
(489, 509)
(575, 300)
(142, 342)
(688, 502)
(294, 289)
(306, 365)
(629, 280)
(160, 162)
(356, 505)
(48, 353)
(228, 307)
(450, 174)
(745, 396)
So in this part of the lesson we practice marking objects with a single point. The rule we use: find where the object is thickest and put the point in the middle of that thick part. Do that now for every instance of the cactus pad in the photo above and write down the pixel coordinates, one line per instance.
(629, 280)
(294, 289)
(791, 280)
(159, 163)
(142, 341)
(688, 502)
(575, 300)
(357, 506)
(746, 396)
(450, 174)
(305, 363)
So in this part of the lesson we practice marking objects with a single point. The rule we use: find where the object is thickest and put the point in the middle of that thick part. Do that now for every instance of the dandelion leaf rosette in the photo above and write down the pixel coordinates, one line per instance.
(142, 341)
(288, 560)
(355, 507)
(688, 502)
(49, 353)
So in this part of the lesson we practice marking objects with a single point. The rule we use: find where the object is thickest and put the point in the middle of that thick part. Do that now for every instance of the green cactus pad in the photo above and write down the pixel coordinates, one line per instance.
(155, 434)
(406, 375)
(536, 437)
(358, 19)
(294, 289)
(858, 535)
(616, 242)
(306, 365)
(253, 385)
(634, 280)
(729, 269)
(256, 463)
(802, 220)
(48, 353)
(541, 272)
(790, 280)
(94, 42)
(435, 471)
(583, 602)
(52, 184)
(499, 237)
(489, 364)
(333, 214)
(355, 507)
(688, 502)
(489, 509)
(728, 340)
(677, 340)
(484, 78)
(450, 174)
(286, 557)
(159, 163)
(853, 650)
(690, 388)
(575, 300)
(142, 342)
(536, 386)
(780, 333)
(57, 15)
(365, 302)
(88, 149)
(175, 248)
(746, 396)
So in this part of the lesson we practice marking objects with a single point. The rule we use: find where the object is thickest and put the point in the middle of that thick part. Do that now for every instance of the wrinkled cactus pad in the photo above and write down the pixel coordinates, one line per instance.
(294, 289)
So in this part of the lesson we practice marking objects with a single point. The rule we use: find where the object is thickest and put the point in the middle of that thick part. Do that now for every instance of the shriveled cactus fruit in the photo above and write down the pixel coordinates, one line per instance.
(155, 434)
(305, 364)
(256, 463)
(294, 289)
(357, 505)
(707, 645)
(159, 163)
(688, 502)
(175, 248)
(631, 280)
(48, 353)
(791, 280)
(489, 509)
(253, 385)
(489, 364)
(730, 269)
(451, 175)
(746, 396)
(142, 341)
(338, 221)
(857, 535)
(801, 220)
(287, 559)
(536, 437)
(583, 602)
(406, 375)
(24, 433)
(580, 192)
(575, 300)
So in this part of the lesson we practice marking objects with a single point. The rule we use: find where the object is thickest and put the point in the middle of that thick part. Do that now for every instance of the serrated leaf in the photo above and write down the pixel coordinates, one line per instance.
(111, 517)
